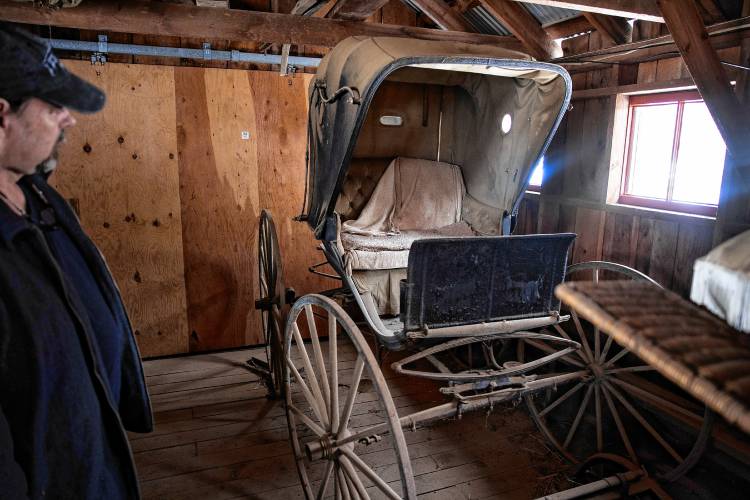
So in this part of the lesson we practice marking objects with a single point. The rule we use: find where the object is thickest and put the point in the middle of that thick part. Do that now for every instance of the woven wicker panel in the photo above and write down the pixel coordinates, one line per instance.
(687, 344)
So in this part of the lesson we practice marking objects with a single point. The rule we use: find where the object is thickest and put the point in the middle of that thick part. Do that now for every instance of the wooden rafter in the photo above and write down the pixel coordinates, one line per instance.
(569, 27)
(442, 15)
(355, 10)
(632, 9)
(615, 29)
(686, 25)
(147, 18)
(525, 27)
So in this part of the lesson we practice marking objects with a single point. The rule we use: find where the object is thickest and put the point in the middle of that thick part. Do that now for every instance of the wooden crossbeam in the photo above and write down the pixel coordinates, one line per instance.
(356, 10)
(442, 15)
(686, 26)
(525, 27)
(148, 18)
(632, 9)
(615, 29)
(722, 35)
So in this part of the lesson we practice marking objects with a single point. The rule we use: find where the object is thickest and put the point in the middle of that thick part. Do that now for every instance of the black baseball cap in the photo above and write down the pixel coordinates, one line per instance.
(29, 68)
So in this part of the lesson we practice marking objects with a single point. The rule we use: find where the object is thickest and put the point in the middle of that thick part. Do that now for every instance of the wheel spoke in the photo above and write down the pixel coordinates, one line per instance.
(565, 335)
(333, 360)
(620, 427)
(367, 471)
(663, 404)
(639, 368)
(326, 479)
(637, 415)
(318, 430)
(315, 388)
(318, 355)
(607, 345)
(597, 343)
(311, 400)
(615, 358)
(562, 398)
(353, 388)
(353, 476)
(582, 334)
(342, 484)
(544, 347)
(598, 403)
(579, 415)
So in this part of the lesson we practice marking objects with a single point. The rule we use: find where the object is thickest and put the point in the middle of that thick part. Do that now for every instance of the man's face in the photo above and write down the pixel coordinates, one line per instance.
(31, 134)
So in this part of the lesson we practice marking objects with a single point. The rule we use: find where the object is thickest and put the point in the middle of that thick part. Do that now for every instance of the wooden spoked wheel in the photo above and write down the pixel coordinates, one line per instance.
(271, 302)
(334, 391)
(621, 405)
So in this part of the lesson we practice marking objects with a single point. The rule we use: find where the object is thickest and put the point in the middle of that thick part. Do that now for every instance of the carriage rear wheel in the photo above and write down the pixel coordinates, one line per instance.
(271, 304)
(328, 399)
(621, 405)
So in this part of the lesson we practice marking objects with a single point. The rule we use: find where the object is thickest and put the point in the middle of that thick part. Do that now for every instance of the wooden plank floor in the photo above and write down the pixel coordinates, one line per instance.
(218, 437)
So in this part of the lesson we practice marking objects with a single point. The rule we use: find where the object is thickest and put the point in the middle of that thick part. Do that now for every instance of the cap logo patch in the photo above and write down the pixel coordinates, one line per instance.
(50, 61)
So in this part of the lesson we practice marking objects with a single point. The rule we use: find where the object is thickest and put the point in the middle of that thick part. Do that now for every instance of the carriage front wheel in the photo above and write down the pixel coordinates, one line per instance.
(333, 390)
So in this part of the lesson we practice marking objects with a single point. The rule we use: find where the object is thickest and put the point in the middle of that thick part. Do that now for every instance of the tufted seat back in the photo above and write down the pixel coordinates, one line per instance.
(359, 183)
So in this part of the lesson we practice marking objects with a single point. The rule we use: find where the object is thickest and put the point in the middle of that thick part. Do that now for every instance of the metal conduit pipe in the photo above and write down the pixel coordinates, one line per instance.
(206, 53)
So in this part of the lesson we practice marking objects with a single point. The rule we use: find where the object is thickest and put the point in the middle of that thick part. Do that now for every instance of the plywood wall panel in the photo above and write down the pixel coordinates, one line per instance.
(120, 166)
(220, 206)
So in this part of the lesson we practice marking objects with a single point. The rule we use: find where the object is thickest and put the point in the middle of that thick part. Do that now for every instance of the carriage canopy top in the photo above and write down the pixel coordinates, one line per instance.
(492, 83)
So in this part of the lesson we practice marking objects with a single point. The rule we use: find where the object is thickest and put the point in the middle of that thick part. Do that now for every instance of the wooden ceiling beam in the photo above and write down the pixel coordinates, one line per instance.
(721, 35)
(615, 29)
(525, 27)
(148, 18)
(443, 15)
(632, 9)
(686, 26)
(356, 10)
(569, 27)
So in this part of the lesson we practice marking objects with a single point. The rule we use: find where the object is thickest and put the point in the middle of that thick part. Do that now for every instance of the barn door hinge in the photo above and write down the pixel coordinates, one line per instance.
(100, 56)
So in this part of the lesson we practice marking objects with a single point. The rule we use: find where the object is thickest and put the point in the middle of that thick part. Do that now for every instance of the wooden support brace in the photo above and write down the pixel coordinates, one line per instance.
(524, 27)
(442, 15)
(615, 29)
(686, 25)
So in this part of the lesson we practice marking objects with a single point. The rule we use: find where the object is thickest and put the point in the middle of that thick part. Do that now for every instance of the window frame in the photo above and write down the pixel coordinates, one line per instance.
(674, 97)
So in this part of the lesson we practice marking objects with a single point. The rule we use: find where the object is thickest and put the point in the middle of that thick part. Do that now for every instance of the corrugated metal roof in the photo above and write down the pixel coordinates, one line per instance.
(484, 22)
(550, 15)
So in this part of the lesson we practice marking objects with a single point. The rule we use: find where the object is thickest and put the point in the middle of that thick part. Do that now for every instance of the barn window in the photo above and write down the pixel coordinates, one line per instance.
(535, 183)
(674, 154)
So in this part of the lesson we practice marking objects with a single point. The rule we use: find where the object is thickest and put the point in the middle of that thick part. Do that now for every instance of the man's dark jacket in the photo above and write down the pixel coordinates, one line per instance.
(36, 306)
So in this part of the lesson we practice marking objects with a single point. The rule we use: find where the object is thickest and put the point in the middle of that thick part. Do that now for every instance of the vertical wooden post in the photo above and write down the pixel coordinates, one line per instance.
(686, 25)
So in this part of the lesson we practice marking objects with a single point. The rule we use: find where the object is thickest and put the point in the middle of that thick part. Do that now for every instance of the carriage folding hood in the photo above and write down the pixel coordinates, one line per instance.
(496, 166)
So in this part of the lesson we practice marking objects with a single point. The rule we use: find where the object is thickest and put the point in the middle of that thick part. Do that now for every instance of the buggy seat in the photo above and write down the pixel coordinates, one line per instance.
(412, 199)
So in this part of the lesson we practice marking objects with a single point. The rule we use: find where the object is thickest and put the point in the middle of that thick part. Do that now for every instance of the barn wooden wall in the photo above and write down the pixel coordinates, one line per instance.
(172, 194)
(577, 175)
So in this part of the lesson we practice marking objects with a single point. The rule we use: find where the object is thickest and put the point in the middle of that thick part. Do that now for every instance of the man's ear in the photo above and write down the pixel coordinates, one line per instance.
(4, 112)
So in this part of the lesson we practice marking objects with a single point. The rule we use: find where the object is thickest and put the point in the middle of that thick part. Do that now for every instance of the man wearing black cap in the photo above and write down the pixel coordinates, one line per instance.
(71, 380)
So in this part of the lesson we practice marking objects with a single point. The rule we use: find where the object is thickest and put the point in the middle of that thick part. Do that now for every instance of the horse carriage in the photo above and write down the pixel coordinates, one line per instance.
(419, 154)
